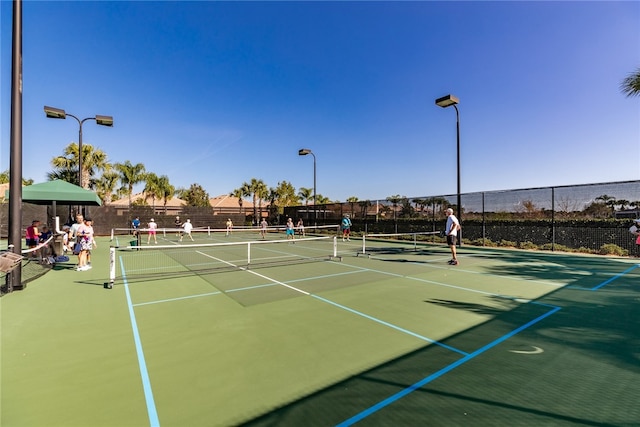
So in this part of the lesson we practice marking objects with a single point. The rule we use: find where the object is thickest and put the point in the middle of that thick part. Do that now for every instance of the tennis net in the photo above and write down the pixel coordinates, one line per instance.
(397, 242)
(211, 235)
(154, 261)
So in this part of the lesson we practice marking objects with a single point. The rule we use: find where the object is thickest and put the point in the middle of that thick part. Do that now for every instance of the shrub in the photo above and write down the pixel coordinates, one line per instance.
(528, 245)
(611, 249)
(508, 243)
(556, 247)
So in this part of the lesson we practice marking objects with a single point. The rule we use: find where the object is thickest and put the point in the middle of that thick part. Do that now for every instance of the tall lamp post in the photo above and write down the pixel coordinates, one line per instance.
(57, 113)
(304, 152)
(444, 102)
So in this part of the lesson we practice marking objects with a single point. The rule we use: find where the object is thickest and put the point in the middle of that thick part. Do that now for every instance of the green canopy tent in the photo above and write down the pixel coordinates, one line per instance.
(58, 191)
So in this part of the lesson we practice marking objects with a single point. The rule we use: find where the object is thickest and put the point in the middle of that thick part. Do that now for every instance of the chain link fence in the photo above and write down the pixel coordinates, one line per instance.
(580, 217)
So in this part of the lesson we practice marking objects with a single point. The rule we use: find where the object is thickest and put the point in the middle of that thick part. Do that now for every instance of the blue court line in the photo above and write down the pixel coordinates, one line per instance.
(388, 401)
(146, 383)
(617, 276)
(389, 325)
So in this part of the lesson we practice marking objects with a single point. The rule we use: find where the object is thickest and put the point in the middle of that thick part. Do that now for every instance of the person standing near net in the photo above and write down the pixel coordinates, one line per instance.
(263, 228)
(178, 225)
(300, 227)
(187, 227)
(346, 227)
(153, 227)
(453, 226)
(73, 236)
(290, 230)
(135, 224)
(87, 243)
(229, 226)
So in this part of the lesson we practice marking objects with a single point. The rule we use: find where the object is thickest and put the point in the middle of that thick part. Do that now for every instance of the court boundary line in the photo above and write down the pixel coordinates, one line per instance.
(380, 321)
(401, 394)
(151, 409)
(606, 282)
(441, 267)
(152, 412)
(390, 325)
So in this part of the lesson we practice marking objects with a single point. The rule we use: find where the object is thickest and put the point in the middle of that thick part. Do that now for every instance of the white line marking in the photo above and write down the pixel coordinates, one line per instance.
(536, 350)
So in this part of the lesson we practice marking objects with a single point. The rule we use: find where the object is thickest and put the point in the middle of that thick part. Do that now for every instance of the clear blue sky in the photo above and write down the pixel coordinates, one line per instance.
(217, 93)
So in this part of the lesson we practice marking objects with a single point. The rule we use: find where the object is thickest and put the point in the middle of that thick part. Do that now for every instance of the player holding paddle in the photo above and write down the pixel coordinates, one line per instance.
(453, 226)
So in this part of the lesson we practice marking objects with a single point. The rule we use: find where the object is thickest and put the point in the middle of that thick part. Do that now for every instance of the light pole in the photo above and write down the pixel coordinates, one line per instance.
(304, 152)
(57, 113)
(444, 102)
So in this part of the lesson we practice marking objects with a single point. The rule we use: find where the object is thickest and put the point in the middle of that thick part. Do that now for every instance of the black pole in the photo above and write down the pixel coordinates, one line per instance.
(458, 151)
(315, 207)
(15, 160)
(81, 209)
(553, 218)
(79, 150)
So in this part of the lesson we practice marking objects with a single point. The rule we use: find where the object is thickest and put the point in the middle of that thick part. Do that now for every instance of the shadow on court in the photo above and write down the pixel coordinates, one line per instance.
(577, 366)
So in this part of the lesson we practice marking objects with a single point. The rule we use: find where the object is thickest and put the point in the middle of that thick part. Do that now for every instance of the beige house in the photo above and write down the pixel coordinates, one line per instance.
(174, 205)
(226, 204)
(222, 205)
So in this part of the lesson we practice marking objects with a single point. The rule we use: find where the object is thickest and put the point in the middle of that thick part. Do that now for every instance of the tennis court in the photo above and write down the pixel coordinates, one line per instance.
(321, 332)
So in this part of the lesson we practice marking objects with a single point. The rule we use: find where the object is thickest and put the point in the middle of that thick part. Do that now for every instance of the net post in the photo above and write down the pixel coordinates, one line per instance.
(112, 267)
(112, 233)
(335, 250)
(415, 241)
(364, 246)
(248, 253)
(208, 231)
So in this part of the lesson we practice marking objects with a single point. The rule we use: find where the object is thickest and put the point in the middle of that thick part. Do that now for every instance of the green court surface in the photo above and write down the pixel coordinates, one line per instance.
(395, 336)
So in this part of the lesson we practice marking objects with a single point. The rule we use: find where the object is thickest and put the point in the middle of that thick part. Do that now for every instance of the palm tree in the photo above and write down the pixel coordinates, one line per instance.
(436, 202)
(5, 177)
(322, 200)
(130, 175)
(106, 185)
(152, 188)
(68, 175)
(239, 194)
(262, 194)
(93, 160)
(630, 86)
(306, 194)
(364, 205)
(257, 189)
(395, 199)
(420, 203)
(165, 190)
(608, 201)
(352, 201)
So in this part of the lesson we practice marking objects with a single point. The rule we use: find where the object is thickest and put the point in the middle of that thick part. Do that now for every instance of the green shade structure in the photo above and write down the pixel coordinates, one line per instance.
(60, 192)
